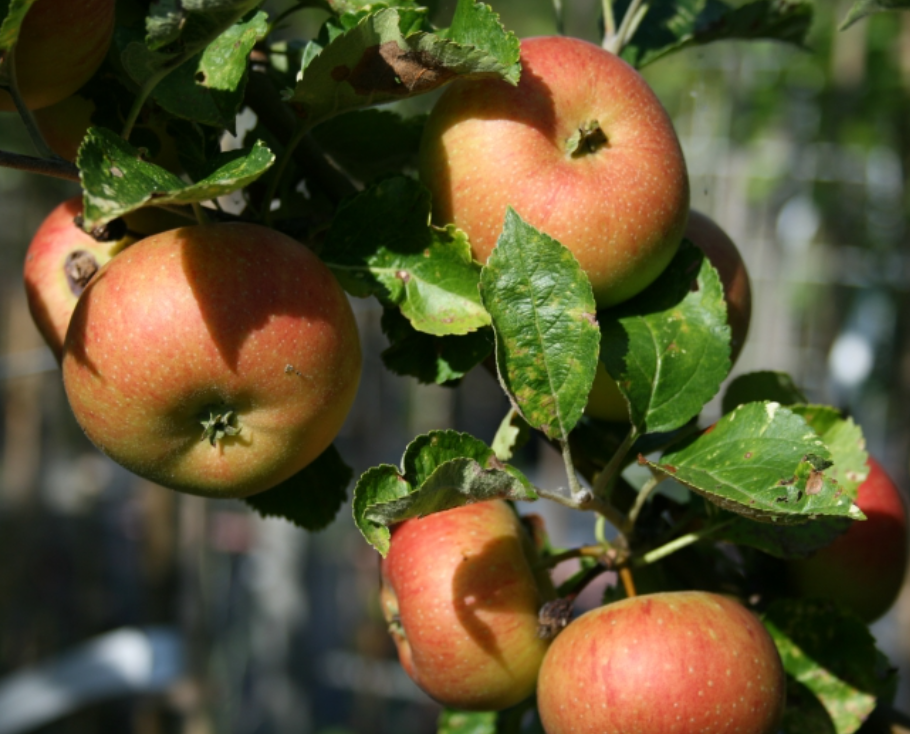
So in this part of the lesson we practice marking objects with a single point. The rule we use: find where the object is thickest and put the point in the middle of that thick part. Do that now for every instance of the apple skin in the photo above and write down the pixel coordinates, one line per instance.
(62, 258)
(461, 596)
(205, 321)
(60, 46)
(675, 662)
(621, 209)
(605, 399)
(865, 568)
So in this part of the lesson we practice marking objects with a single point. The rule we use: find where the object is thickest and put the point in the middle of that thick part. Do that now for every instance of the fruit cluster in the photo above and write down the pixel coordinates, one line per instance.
(221, 359)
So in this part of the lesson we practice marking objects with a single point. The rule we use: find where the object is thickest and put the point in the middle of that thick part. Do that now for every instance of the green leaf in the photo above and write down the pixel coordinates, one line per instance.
(371, 143)
(764, 462)
(784, 541)
(672, 25)
(454, 483)
(845, 442)
(192, 22)
(754, 387)
(210, 87)
(467, 722)
(440, 470)
(374, 63)
(177, 30)
(546, 335)
(833, 655)
(12, 22)
(378, 484)
(668, 348)
(427, 452)
(512, 434)
(431, 359)
(312, 497)
(381, 243)
(117, 181)
(864, 8)
(476, 24)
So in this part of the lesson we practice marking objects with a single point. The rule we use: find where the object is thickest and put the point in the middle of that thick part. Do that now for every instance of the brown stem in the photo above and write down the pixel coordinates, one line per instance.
(626, 576)
(57, 168)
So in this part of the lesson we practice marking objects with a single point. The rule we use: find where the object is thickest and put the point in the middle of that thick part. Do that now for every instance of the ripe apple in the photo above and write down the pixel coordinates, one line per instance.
(64, 125)
(582, 149)
(62, 258)
(865, 568)
(217, 360)
(60, 46)
(676, 663)
(605, 400)
(461, 594)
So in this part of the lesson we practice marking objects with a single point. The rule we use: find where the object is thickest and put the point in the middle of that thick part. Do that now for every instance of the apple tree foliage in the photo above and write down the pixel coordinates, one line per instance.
(774, 478)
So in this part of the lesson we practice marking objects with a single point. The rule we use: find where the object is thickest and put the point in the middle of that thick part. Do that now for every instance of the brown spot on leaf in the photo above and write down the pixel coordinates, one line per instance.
(748, 455)
(590, 317)
(403, 275)
(388, 68)
(787, 482)
(815, 482)
(669, 468)
(340, 73)
(641, 460)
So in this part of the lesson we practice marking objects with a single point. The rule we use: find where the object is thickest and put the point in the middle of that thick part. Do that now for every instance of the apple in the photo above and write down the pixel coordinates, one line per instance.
(60, 46)
(216, 359)
(865, 568)
(605, 400)
(675, 662)
(62, 258)
(63, 126)
(582, 149)
(461, 594)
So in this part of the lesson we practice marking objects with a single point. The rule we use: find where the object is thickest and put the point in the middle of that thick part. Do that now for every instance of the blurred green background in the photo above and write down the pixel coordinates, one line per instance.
(801, 155)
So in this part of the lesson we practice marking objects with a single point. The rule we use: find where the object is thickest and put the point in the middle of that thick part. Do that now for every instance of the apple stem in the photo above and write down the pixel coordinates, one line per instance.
(626, 576)
(604, 481)
(631, 21)
(641, 498)
(680, 542)
(608, 18)
(300, 131)
(53, 167)
(28, 119)
(200, 213)
(558, 16)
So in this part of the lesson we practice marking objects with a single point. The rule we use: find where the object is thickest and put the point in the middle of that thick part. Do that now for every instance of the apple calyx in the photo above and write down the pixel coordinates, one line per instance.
(219, 425)
(589, 138)
(554, 616)
(79, 267)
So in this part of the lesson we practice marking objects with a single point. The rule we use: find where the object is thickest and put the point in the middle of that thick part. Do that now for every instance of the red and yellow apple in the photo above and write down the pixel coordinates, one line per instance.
(461, 594)
(218, 360)
(676, 663)
(62, 258)
(60, 46)
(605, 400)
(582, 149)
(865, 568)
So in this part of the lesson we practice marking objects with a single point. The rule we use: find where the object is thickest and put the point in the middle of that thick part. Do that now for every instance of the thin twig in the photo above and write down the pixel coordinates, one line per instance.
(632, 18)
(642, 496)
(54, 167)
(610, 27)
(677, 544)
(613, 468)
(626, 576)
